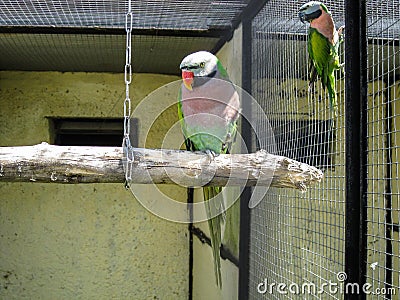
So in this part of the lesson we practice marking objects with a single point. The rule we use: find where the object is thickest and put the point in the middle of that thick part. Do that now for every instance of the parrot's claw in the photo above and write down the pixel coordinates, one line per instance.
(340, 34)
(341, 68)
(310, 88)
(340, 30)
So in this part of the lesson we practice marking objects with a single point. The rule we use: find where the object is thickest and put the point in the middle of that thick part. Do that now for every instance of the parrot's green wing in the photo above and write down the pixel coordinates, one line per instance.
(222, 71)
(319, 52)
(232, 127)
(325, 61)
(188, 143)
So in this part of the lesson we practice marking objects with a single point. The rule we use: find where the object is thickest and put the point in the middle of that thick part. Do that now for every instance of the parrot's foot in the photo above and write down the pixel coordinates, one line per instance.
(340, 30)
(211, 155)
(311, 88)
(335, 114)
(341, 68)
(340, 34)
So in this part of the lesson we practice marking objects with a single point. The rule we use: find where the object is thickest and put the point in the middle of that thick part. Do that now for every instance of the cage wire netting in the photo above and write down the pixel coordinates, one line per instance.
(96, 52)
(47, 30)
(299, 238)
(295, 237)
(383, 129)
(149, 14)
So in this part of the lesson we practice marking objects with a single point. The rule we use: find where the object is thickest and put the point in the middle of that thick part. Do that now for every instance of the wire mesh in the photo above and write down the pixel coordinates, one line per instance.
(297, 239)
(150, 14)
(96, 52)
(24, 46)
(383, 245)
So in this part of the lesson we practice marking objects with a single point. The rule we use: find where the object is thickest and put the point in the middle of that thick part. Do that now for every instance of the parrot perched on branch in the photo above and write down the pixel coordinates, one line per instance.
(323, 46)
(208, 109)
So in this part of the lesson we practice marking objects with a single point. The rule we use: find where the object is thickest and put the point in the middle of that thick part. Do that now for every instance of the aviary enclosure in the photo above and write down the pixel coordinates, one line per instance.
(338, 240)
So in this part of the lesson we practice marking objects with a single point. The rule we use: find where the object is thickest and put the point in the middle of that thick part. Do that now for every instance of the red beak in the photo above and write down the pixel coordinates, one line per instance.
(187, 77)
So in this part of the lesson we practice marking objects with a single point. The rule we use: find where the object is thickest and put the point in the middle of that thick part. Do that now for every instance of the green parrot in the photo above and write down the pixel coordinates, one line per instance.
(323, 46)
(208, 109)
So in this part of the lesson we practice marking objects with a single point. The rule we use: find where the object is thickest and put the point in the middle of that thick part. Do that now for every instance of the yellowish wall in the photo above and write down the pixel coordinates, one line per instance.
(92, 241)
(395, 105)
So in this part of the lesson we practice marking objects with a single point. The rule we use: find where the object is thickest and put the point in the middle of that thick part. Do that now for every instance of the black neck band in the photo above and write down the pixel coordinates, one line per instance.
(199, 81)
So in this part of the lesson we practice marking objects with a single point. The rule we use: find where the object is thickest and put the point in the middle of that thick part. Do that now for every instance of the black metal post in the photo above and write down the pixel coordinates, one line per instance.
(190, 195)
(356, 144)
(252, 9)
(244, 240)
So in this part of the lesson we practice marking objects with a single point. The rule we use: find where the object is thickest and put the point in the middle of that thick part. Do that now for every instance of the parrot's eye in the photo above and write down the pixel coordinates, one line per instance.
(202, 65)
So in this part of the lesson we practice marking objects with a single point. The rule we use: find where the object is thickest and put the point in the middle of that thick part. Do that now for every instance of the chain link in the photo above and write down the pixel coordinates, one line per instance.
(126, 143)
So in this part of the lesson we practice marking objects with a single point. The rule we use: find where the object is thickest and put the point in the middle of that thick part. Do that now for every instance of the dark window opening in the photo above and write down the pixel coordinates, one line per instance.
(308, 141)
(90, 131)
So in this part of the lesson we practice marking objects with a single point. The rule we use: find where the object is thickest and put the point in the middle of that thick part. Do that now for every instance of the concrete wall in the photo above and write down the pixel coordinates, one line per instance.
(92, 241)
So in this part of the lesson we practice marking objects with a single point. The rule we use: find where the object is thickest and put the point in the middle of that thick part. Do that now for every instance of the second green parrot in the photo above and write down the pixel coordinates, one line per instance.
(323, 46)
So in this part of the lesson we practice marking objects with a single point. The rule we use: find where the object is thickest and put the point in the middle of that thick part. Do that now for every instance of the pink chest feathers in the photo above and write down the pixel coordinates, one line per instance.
(216, 103)
(325, 25)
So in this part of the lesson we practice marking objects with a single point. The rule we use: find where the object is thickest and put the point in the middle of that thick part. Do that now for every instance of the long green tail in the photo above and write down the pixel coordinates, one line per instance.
(331, 80)
(332, 93)
(214, 225)
(334, 107)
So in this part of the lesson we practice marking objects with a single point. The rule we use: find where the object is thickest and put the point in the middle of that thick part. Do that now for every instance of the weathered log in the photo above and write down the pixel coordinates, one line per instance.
(68, 164)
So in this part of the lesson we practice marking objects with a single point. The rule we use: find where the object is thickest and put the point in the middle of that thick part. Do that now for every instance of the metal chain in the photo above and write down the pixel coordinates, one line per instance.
(126, 144)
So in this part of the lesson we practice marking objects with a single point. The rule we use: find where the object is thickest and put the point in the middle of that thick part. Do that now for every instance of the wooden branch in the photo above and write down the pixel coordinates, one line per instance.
(62, 164)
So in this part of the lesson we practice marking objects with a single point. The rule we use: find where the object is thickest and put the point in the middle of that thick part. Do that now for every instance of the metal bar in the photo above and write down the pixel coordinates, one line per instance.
(244, 240)
(303, 37)
(356, 144)
(244, 243)
(388, 128)
(252, 9)
(227, 36)
(204, 239)
(212, 32)
(190, 193)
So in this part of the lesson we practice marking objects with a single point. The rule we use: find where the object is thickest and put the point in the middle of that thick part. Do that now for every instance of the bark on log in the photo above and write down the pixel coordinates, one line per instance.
(67, 164)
